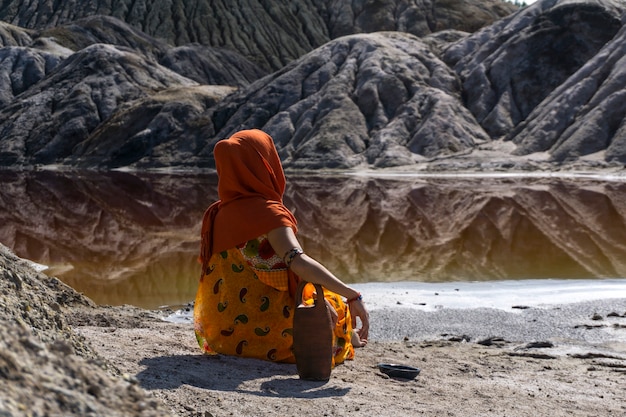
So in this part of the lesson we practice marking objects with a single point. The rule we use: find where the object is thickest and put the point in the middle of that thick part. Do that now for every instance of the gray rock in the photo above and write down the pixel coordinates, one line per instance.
(440, 41)
(205, 65)
(11, 35)
(56, 114)
(211, 66)
(376, 100)
(79, 34)
(585, 115)
(380, 99)
(509, 67)
(417, 17)
(22, 68)
(269, 34)
(155, 131)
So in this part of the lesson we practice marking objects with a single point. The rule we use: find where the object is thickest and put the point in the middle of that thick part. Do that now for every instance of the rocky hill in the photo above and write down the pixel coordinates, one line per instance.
(549, 78)
(270, 33)
(460, 85)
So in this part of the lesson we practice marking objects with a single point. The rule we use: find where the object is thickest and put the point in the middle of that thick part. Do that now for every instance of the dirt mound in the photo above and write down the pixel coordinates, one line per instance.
(45, 367)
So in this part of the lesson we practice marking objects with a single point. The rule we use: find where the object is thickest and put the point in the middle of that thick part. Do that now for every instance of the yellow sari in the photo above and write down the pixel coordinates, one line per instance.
(243, 307)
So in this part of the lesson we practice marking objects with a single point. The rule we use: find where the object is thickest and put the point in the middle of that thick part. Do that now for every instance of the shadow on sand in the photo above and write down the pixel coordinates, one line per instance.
(223, 373)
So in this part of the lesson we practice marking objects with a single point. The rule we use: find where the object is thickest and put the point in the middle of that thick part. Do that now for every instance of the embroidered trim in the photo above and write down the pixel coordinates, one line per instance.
(260, 255)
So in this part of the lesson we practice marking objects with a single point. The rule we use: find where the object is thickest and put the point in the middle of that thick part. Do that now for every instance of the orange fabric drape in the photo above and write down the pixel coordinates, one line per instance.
(250, 189)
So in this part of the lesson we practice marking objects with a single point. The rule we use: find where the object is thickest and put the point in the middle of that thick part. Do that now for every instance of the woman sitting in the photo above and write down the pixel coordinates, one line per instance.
(252, 261)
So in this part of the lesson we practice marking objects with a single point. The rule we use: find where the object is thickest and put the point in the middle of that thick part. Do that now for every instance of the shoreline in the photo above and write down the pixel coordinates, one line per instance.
(599, 175)
(452, 169)
(585, 314)
(498, 294)
(508, 295)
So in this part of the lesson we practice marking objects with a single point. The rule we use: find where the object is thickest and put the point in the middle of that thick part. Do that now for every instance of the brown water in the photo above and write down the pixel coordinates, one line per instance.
(125, 238)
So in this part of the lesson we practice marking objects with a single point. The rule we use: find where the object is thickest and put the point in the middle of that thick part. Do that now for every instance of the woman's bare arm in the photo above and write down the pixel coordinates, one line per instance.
(283, 239)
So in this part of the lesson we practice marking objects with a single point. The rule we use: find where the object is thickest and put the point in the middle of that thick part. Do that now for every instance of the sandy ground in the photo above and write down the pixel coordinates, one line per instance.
(571, 362)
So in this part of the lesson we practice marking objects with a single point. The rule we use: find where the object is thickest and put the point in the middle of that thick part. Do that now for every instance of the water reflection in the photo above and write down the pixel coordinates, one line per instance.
(126, 238)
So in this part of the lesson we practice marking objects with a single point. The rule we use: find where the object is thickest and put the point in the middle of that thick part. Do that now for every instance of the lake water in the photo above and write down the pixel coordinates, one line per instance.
(123, 238)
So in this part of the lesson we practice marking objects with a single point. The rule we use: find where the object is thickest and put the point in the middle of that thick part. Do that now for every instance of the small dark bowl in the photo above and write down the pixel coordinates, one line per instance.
(398, 371)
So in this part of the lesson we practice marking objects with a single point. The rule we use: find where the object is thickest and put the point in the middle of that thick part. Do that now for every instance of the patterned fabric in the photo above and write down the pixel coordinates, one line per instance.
(269, 267)
(243, 307)
(236, 314)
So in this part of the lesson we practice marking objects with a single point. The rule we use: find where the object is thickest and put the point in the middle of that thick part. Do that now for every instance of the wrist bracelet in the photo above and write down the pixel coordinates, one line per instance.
(291, 254)
(358, 297)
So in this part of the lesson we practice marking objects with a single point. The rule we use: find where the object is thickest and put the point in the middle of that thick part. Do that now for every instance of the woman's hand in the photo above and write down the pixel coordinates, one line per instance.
(357, 309)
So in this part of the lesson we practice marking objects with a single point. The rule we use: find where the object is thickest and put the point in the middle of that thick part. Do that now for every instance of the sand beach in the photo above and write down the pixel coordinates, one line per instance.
(494, 354)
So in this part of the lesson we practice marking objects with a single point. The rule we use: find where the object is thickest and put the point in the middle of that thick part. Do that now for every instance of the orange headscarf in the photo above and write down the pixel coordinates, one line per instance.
(251, 183)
